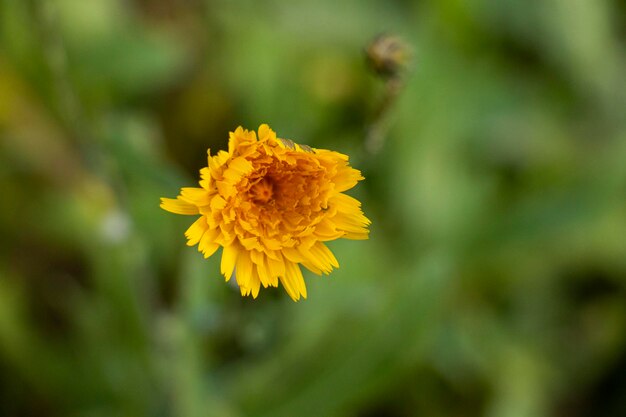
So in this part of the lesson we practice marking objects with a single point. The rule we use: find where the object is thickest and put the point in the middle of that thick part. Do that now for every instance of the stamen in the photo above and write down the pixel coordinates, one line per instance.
(262, 192)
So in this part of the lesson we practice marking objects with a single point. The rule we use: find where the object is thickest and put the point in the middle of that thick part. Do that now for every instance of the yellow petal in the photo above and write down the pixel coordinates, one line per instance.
(250, 243)
(294, 275)
(291, 290)
(257, 257)
(178, 206)
(315, 259)
(326, 230)
(264, 132)
(243, 272)
(271, 244)
(217, 203)
(350, 223)
(347, 178)
(293, 281)
(357, 236)
(210, 249)
(264, 275)
(321, 251)
(225, 189)
(312, 268)
(255, 285)
(207, 244)
(196, 230)
(293, 255)
(196, 196)
(229, 258)
(276, 267)
(237, 168)
(346, 203)
(244, 291)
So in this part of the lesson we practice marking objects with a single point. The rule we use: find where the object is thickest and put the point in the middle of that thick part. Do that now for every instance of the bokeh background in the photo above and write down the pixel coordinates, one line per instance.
(494, 281)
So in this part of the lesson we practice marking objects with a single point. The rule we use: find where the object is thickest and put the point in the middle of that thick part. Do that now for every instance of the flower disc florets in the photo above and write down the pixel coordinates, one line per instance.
(271, 203)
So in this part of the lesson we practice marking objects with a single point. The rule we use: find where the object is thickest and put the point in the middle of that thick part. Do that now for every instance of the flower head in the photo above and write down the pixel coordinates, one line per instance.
(271, 204)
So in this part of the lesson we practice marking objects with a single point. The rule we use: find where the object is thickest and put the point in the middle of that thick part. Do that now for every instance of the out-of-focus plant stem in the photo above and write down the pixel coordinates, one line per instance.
(389, 57)
(379, 126)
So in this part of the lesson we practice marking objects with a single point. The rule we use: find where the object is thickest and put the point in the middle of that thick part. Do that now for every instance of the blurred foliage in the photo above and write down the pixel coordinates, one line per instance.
(494, 282)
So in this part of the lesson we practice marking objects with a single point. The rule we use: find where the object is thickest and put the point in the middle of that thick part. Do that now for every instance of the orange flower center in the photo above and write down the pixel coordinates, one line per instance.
(262, 191)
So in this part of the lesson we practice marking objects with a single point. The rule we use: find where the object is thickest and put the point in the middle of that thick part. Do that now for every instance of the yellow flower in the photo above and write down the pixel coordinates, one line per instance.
(271, 204)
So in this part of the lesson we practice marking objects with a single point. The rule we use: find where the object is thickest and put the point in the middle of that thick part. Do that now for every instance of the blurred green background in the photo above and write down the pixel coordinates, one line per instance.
(494, 280)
